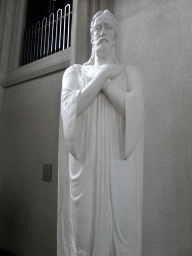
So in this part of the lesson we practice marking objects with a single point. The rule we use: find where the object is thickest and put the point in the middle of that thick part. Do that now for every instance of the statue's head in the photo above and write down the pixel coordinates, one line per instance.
(103, 34)
(109, 16)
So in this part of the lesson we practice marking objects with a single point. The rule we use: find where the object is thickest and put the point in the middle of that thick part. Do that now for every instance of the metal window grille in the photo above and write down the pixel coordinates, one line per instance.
(48, 36)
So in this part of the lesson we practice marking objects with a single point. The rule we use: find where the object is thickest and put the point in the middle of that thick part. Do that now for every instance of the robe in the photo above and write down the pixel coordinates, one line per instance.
(104, 162)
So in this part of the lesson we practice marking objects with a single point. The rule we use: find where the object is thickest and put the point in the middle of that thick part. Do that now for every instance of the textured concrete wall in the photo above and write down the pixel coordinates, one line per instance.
(12, 19)
(157, 37)
(29, 139)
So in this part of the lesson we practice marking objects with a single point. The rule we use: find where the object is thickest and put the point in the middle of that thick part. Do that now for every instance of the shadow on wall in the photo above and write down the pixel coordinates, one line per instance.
(4, 253)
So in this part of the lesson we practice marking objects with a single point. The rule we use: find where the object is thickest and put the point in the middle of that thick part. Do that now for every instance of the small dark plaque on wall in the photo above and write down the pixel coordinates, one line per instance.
(47, 172)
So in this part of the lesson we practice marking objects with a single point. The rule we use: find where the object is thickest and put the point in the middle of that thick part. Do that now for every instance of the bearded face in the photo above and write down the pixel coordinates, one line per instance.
(103, 38)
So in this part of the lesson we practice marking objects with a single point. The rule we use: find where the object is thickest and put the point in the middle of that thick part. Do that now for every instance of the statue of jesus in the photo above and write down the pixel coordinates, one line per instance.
(102, 112)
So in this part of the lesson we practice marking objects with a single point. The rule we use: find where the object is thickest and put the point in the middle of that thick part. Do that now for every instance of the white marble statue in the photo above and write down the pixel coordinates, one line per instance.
(102, 113)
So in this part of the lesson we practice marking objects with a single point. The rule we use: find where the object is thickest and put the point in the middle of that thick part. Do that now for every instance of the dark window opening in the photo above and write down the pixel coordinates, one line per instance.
(47, 28)
(38, 9)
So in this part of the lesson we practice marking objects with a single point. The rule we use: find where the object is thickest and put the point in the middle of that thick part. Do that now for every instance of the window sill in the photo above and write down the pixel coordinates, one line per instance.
(49, 64)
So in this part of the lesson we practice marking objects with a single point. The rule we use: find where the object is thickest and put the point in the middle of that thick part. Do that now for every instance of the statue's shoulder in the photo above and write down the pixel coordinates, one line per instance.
(134, 72)
(73, 69)
(132, 69)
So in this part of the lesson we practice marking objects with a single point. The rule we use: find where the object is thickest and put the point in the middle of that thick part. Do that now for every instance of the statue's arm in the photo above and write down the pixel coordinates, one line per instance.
(135, 80)
(116, 96)
(69, 81)
(90, 91)
(88, 94)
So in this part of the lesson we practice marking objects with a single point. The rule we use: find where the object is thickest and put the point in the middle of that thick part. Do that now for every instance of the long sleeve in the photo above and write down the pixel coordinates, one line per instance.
(69, 102)
(134, 111)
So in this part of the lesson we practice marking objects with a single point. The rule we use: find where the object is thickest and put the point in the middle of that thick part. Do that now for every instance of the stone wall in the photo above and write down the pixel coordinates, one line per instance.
(156, 36)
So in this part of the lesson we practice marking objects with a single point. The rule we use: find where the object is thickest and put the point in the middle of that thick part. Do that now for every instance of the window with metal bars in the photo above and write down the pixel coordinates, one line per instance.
(47, 29)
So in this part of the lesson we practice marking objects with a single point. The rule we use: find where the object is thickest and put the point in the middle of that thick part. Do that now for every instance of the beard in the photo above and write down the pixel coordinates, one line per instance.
(103, 48)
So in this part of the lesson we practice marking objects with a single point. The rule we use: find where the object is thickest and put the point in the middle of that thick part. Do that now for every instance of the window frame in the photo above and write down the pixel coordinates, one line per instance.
(16, 73)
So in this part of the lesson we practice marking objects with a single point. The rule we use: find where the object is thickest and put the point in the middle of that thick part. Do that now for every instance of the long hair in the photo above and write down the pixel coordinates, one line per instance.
(91, 61)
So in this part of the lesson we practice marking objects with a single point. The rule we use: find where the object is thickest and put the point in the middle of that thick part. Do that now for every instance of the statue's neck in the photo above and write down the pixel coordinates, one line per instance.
(106, 58)
(101, 61)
